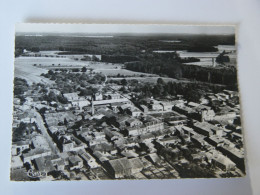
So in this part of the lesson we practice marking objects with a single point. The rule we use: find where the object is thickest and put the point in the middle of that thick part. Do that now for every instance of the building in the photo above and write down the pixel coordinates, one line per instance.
(147, 127)
(35, 153)
(88, 159)
(80, 103)
(124, 167)
(19, 147)
(144, 108)
(44, 164)
(167, 106)
(98, 96)
(169, 140)
(16, 162)
(133, 122)
(133, 111)
(75, 162)
(71, 96)
(220, 161)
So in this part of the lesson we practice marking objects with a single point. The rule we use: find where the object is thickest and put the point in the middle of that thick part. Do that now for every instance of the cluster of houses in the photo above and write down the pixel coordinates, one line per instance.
(110, 132)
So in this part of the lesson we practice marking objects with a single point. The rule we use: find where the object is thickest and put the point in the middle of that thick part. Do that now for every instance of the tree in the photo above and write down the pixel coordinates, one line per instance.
(50, 72)
(221, 58)
(124, 82)
(42, 110)
(95, 58)
(62, 99)
(160, 81)
(65, 122)
(84, 69)
(52, 96)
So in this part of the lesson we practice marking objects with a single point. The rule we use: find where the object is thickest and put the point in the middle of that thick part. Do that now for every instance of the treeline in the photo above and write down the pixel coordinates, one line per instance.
(161, 64)
(190, 59)
(191, 91)
(202, 48)
(118, 58)
(225, 76)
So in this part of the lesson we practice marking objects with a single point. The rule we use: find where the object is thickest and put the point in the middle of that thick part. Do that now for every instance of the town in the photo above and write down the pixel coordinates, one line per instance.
(79, 123)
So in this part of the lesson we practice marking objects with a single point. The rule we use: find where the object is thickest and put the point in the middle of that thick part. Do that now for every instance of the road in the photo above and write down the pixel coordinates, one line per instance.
(46, 135)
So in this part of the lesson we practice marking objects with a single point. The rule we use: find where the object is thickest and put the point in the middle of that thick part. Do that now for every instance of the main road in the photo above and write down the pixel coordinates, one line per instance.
(41, 126)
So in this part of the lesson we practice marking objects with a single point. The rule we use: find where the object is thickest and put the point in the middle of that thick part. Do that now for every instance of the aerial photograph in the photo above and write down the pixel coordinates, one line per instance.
(118, 101)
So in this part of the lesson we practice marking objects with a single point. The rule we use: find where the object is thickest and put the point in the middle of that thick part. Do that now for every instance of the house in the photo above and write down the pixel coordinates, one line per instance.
(114, 96)
(44, 164)
(132, 122)
(169, 140)
(236, 155)
(167, 106)
(207, 115)
(220, 161)
(144, 108)
(124, 167)
(80, 103)
(75, 162)
(123, 108)
(154, 158)
(40, 142)
(27, 117)
(35, 153)
(198, 140)
(215, 141)
(133, 111)
(208, 129)
(98, 96)
(100, 156)
(155, 105)
(19, 147)
(203, 128)
(88, 159)
(105, 148)
(71, 96)
(147, 127)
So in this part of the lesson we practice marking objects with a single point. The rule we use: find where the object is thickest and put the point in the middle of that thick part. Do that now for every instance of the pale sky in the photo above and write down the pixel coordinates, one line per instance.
(124, 28)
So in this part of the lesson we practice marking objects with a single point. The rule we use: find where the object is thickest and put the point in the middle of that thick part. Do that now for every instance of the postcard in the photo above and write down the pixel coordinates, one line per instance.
(125, 101)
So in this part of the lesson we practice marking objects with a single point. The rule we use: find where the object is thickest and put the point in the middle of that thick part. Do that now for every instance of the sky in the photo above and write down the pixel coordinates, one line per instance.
(124, 28)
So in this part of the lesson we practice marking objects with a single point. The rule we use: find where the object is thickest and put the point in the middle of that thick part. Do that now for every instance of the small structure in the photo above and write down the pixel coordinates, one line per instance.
(75, 162)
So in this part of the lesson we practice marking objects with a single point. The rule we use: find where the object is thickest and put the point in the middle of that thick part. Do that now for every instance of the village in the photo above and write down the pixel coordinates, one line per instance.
(101, 130)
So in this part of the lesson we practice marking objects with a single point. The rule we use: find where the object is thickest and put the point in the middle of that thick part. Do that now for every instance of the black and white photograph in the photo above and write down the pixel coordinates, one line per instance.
(126, 101)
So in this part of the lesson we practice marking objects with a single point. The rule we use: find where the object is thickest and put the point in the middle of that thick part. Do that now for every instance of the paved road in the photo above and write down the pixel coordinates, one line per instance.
(48, 138)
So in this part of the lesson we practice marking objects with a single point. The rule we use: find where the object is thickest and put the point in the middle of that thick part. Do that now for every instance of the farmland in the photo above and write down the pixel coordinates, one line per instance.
(25, 70)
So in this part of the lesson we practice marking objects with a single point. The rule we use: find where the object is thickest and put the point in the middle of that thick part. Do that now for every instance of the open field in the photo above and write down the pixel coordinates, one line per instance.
(24, 69)
(47, 61)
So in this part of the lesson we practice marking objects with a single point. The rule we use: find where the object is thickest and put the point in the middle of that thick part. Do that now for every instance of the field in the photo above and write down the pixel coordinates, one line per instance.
(24, 69)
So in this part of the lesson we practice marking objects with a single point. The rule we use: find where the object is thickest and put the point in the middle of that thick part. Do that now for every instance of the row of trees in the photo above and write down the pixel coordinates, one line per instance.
(191, 91)
(226, 76)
